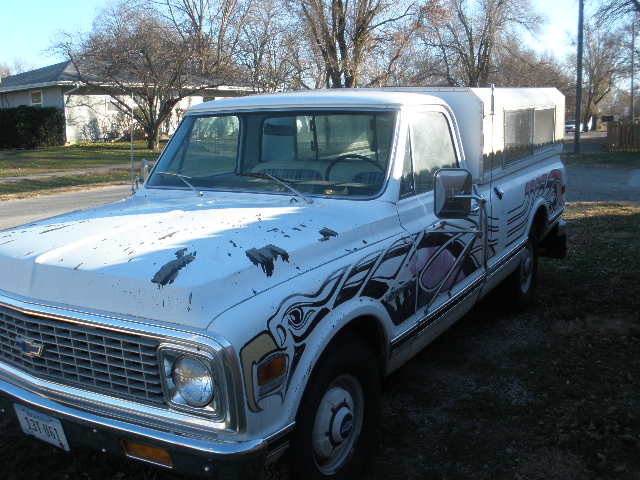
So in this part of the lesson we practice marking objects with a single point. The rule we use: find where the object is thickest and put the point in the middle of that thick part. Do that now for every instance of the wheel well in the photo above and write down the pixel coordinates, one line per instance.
(539, 222)
(369, 329)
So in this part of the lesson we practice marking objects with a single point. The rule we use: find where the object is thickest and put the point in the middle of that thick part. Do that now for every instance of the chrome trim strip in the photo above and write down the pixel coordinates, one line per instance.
(208, 447)
(278, 434)
(106, 406)
(146, 460)
(218, 346)
(504, 260)
(427, 320)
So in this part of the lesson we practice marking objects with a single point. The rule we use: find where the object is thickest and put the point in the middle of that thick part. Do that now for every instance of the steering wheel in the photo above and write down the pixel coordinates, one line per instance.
(348, 156)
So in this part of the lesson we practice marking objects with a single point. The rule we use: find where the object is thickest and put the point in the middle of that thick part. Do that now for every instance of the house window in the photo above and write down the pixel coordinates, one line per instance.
(36, 98)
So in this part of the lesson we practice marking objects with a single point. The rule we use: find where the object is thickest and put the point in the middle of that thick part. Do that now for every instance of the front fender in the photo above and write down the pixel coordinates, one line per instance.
(299, 325)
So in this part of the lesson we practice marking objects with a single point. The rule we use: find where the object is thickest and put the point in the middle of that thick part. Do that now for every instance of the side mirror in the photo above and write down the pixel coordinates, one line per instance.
(452, 193)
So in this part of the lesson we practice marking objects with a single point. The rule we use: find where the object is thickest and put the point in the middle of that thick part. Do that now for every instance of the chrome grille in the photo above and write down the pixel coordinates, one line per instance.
(92, 358)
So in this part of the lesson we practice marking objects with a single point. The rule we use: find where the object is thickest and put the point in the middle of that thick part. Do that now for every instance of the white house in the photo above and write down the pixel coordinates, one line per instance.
(90, 115)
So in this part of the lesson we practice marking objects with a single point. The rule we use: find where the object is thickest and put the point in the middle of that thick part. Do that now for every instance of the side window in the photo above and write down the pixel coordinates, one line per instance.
(432, 148)
(406, 182)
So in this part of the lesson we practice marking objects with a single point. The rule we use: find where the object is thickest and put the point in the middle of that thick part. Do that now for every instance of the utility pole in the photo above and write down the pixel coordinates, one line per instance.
(576, 138)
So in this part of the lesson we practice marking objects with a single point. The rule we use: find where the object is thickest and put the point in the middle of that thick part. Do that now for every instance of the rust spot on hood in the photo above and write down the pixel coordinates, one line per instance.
(169, 271)
(266, 257)
(327, 233)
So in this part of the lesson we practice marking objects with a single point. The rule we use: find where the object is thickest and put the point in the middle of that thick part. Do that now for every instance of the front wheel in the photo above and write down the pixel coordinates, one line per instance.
(337, 419)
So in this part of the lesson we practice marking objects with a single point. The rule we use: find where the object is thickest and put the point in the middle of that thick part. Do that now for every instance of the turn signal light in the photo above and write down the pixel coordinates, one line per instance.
(272, 369)
(147, 453)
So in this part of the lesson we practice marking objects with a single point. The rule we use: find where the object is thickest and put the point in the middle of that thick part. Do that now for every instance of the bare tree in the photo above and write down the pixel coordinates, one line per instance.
(603, 62)
(213, 28)
(360, 42)
(19, 65)
(465, 43)
(5, 70)
(519, 66)
(269, 48)
(612, 10)
(134, 51)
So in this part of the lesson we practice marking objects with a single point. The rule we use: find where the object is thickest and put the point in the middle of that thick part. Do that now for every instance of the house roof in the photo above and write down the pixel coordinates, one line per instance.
(63, 73)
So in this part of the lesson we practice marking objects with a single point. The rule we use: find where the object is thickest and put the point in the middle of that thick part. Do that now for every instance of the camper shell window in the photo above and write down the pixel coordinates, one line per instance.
(527, 132)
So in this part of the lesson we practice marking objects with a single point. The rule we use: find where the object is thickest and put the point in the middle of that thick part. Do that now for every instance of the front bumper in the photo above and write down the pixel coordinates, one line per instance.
(191, 456)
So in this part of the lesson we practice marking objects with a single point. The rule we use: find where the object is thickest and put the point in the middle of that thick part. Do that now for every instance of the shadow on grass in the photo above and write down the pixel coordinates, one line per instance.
(546, 394)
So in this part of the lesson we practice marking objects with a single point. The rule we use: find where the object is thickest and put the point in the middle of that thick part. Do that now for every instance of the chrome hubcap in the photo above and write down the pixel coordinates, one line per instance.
(526, 269)
(338, 423)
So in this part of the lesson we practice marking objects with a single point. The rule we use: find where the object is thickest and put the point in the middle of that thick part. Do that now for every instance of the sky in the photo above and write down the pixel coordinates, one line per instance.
(28, 27)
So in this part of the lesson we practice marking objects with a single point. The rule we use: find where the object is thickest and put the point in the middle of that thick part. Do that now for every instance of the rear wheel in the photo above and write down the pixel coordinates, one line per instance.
(521, 284)
(337, 420)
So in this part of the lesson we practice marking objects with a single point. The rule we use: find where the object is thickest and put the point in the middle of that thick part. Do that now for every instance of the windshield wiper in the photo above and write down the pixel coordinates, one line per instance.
(295, 191)
(184, 179)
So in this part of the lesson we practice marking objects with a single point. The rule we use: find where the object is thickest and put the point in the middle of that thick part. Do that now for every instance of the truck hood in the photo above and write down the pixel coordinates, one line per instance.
(180, 259)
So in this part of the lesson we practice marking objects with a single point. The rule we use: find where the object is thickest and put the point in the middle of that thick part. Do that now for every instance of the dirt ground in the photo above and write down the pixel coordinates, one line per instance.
(550, 394)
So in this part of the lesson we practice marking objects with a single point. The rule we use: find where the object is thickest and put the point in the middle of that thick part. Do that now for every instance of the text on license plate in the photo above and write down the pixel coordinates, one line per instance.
(44, 427)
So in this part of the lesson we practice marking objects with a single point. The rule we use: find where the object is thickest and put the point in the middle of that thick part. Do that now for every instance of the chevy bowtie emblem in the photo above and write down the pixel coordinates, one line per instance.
(29, 348)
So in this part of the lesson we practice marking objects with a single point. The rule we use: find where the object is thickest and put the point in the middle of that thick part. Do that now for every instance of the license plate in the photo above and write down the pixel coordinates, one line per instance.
(42, 426)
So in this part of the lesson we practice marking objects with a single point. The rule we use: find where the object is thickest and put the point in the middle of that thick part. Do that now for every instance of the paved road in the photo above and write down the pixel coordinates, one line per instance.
(18, 212)
(591, 184)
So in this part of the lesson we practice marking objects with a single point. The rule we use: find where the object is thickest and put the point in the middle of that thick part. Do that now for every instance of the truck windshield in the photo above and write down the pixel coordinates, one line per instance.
(329, 153)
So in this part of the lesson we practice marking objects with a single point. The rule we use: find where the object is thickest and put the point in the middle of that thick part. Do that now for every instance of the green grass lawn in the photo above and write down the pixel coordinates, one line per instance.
(16, 163)
(603, 159)
(51, 184)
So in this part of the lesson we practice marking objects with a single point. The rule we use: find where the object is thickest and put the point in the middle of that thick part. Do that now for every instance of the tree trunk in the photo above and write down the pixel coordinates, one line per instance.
(153, 137)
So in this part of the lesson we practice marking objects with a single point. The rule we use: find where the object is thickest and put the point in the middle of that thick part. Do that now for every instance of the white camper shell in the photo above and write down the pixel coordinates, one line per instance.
(512, 126)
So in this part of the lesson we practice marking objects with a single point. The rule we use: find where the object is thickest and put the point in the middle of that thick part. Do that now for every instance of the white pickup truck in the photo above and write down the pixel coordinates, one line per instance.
(285, 254)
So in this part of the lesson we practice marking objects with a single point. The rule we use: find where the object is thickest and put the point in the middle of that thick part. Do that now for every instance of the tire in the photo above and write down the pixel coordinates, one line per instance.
(337, 420)
(522, 283)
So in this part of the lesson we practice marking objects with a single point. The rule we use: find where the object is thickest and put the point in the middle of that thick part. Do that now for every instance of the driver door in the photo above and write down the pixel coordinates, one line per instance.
(447, 260)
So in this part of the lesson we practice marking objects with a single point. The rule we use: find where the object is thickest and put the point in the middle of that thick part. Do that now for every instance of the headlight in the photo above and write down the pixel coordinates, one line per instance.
(193, 381)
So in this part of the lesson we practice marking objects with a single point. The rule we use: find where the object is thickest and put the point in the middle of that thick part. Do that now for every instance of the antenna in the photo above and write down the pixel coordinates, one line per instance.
(133, 187)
